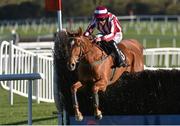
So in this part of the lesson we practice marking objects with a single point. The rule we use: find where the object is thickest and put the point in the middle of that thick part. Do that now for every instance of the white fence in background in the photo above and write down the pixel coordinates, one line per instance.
(15, 60)
(162, 58)
(42, 48)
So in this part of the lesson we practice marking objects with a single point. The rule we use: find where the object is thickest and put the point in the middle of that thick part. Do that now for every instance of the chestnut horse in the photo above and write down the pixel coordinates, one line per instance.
(97, 68)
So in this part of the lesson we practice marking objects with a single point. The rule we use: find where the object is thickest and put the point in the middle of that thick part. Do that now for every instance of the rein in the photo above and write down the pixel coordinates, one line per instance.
(83, 54)
(103, 57)
(95, 62)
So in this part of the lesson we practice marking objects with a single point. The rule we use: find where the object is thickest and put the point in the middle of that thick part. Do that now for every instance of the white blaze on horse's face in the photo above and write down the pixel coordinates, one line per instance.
(72, 43)
(74, 54)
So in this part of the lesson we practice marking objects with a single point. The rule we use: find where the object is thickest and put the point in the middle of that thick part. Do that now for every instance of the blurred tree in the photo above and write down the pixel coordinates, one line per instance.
(15, 2)
(39, 2)
(175, 1)
(85, 8)
(22, 11)
(116, 7)
(173, 9)
(14, 9)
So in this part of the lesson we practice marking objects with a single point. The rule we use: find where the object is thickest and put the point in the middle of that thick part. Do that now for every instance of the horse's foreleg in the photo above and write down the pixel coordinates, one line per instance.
(97, 112)
(74, 88)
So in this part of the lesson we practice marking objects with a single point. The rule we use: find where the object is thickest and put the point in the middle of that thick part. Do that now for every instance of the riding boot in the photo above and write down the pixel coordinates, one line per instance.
(120, 59)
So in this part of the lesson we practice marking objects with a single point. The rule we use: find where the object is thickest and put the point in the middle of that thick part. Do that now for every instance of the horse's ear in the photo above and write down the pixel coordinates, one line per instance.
(80, 31)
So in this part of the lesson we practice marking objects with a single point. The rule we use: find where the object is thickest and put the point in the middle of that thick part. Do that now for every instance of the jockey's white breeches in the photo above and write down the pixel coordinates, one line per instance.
(118, 37)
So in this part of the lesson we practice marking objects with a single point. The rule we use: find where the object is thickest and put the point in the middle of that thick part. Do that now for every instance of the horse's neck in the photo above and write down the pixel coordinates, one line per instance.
(93, 53)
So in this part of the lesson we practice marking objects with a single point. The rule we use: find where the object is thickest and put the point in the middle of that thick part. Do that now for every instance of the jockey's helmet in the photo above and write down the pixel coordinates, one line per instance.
(101, 12)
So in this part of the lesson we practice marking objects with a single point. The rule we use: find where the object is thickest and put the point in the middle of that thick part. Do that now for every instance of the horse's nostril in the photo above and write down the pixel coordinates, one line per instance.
(72, 65)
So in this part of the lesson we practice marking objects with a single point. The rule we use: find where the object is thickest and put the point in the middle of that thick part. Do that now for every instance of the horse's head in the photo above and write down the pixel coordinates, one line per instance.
(76, 40)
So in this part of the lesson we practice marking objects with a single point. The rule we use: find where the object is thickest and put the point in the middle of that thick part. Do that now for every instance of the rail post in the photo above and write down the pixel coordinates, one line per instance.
(11, 62)
(36, 69)
(30, 77)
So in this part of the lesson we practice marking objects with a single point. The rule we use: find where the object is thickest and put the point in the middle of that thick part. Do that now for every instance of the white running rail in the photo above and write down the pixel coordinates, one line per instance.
(15, 60)
(43, 48)
(162, 58)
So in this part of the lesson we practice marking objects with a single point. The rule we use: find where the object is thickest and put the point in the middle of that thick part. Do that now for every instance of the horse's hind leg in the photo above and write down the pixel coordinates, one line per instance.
(74, 88)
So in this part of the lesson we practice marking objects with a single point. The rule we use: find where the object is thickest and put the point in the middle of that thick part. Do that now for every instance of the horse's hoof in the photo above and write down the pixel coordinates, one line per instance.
(99, 117)
(79, 117)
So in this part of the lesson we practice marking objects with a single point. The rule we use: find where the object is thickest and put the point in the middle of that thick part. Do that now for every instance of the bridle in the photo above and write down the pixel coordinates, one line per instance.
(82, 54)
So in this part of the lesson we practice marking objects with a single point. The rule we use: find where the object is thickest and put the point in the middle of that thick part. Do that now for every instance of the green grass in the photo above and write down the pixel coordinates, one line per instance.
(18, 113)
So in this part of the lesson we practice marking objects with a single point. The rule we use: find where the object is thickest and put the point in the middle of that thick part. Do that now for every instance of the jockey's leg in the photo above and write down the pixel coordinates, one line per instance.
(120, 61)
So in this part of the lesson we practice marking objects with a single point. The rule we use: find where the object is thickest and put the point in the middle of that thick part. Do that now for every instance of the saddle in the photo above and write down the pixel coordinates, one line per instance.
(117, 55)
(106, 48)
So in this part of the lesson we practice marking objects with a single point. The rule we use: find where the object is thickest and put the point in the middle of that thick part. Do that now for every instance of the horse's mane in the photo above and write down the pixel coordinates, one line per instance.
(86, 42)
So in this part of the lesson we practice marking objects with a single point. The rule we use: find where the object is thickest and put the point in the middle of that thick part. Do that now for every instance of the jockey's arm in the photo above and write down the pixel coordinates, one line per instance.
(90, 28)
(110, 36)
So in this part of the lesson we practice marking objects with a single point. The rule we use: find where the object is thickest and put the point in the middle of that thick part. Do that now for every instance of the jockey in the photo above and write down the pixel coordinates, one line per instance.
(110, 28)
